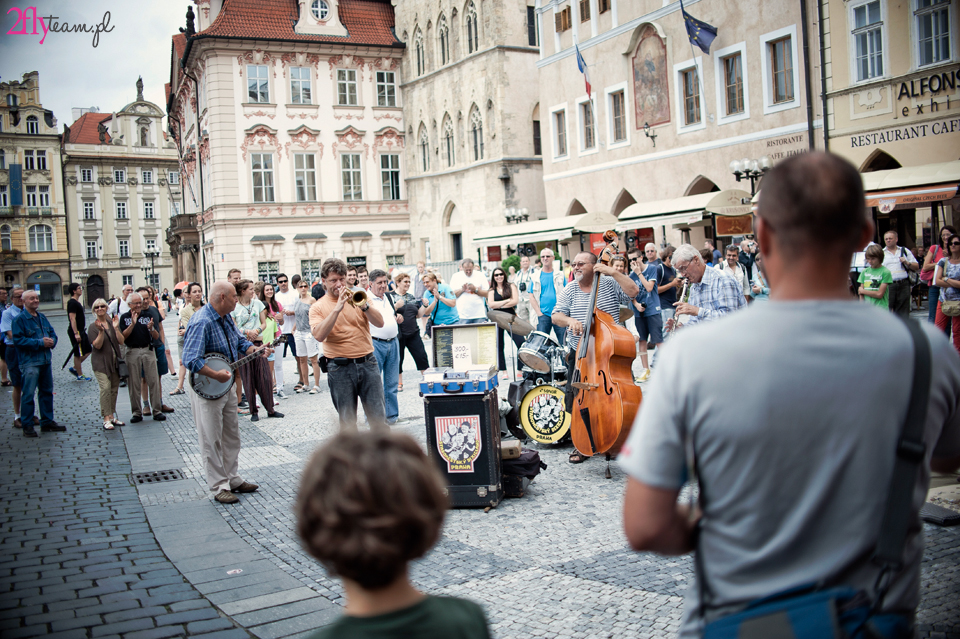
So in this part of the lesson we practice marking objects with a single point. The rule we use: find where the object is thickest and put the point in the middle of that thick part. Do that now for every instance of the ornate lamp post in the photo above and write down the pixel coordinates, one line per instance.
(753, 170)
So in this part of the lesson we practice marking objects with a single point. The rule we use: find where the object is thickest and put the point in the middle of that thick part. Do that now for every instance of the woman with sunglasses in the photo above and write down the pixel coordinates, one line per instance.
(106, 340)
(947, 277)
(307, 347)
(934, 255)
(503, 296)
(268, 296)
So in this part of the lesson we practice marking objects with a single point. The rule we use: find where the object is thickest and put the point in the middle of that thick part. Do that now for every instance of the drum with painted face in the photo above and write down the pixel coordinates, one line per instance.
(537, 351)
(542, 414)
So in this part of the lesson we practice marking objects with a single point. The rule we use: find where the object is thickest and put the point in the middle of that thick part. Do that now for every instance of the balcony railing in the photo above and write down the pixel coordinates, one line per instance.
(33, 210)
(6, 211)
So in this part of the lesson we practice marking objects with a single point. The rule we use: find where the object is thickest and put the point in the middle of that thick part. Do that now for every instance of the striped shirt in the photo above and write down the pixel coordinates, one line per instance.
(208, 332)
(715, 295)
(574, 302)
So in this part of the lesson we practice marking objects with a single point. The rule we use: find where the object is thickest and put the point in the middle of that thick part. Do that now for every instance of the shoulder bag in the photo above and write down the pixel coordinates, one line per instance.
(822, 611)
(913, 276)
(950, 308)
(122, 370)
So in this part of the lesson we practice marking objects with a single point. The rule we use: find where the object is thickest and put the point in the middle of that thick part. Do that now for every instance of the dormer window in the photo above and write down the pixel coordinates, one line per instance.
(11, 100)
(319, 9)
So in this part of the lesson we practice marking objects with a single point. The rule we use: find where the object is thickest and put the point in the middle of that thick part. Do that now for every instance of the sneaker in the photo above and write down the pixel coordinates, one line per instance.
(282, 395)
(246, 487)
(83, 378)
(226, 497)
(644, 376)
(243, 404)
(73, 371)
(276, 414)
(254, 418)
(29, 432)
(17, 423)
(53, 427)
(314, 390)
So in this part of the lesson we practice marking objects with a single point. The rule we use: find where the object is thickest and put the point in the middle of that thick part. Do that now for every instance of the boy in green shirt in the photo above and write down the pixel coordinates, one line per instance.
(368, 504)
(875, 280)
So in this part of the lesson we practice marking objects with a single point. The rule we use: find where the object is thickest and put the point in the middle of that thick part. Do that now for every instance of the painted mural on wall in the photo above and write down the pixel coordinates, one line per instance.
(650, 92)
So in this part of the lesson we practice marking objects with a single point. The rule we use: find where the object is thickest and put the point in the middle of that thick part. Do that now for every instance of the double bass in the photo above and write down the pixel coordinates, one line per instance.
(607, 398)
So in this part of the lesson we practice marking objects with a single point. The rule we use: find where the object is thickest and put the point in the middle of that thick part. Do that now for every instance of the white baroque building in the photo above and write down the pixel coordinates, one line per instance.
(289, 123)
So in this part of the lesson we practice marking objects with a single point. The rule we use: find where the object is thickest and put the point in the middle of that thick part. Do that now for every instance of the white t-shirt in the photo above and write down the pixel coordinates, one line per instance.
(795, 459)
(117, 307)
(892, 262)
(286, 301)
(470, 306)
(390, 327)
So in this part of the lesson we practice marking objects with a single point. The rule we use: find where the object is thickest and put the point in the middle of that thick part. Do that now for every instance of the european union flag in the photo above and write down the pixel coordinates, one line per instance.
(699, 32)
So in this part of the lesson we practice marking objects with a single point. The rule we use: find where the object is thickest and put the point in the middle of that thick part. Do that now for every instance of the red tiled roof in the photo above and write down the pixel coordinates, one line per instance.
(179, 44)
(367, 21)
(166, 93)
(84, 130)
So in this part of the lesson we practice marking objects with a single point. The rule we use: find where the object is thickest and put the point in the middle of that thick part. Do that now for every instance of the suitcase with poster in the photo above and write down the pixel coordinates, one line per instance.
(463, 438)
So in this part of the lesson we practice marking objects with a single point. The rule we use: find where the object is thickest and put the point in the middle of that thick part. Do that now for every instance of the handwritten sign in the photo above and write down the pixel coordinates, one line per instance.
(462, 357)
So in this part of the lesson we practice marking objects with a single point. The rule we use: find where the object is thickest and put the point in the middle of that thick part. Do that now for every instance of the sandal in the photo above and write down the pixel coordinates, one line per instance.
(298, 388)
(178, 391)
(117, 422)
(6, 383)
(400, 387)
(107, 425)
(577, 458)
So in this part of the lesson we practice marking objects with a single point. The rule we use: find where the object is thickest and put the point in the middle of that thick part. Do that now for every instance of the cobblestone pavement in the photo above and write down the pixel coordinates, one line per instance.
(88, 554)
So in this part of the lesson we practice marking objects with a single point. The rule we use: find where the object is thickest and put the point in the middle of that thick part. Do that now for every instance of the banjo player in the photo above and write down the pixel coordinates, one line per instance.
(211, 331)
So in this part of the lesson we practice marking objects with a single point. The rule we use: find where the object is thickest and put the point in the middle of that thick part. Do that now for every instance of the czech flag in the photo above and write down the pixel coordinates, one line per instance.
(583, 69)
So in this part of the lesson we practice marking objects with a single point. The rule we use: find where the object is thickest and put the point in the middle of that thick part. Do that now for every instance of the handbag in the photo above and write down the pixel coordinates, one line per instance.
(122, 370)
(950, 308)
(816, 611)
(914, 276)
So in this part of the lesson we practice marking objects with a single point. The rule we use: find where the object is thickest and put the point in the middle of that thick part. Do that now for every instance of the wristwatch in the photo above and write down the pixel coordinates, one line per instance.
(365, 308)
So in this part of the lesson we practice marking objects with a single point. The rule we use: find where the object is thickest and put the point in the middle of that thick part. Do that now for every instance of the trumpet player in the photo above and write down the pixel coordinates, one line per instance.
(713, 293)
(341, 321)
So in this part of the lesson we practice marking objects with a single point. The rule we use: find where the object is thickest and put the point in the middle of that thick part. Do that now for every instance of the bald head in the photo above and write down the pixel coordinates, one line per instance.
(223, 297)
(813, 203)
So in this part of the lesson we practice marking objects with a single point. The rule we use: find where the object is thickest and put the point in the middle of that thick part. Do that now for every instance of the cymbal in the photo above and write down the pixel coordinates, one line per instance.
(625, 313)
(509, 321)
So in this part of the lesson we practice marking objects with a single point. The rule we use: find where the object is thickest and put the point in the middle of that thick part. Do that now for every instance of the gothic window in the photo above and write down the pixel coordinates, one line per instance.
(418, 45)
(424, 145)
(444, 34)
(473, 40)
(476, 132)
(448, 147)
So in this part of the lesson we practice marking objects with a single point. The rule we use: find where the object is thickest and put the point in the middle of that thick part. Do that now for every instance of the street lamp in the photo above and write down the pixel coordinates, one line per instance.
(151, 271)
(516, 215)
(751, 169)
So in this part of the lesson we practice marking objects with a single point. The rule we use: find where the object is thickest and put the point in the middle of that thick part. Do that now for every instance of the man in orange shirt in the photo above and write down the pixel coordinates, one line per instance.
(344, 331)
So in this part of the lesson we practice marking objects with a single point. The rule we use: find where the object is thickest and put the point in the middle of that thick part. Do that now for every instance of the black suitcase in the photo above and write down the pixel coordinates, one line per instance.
(463, 438)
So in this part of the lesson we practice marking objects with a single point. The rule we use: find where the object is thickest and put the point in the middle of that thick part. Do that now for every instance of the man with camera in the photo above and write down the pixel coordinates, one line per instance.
(344, 330)
(524, 282)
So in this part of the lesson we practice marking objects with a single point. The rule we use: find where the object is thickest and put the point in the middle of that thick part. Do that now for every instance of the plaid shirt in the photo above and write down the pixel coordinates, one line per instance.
(717, 294)
(208, 332)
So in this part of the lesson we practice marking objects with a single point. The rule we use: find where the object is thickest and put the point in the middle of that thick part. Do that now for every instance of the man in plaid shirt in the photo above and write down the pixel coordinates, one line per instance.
(713, 293)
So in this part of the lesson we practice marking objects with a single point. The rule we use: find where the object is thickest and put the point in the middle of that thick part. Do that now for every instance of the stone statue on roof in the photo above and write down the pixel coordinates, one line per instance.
(102, 130)
(140, 89)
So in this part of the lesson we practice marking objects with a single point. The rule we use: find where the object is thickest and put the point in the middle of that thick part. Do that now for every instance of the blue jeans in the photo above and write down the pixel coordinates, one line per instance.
(933, 295)
(388, 361)
(351, 381)
(37, 377)
(544, 324)
(475, 320)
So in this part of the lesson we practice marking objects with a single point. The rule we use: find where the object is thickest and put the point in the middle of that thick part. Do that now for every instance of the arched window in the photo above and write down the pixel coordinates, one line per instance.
(444, 33)
(424, 145)
(448, 148)
(144, 136)
(473, 40)
(6, 244)
(41, 238)
(3, 160)
(319, 9)
(33, 125)
(421, 59)
(476, 130)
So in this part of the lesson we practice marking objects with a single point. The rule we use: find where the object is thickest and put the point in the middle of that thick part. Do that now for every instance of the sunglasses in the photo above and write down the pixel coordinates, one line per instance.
(98, 307)
(498, 274)
(281, 281)
(954, 243)
(302, 286)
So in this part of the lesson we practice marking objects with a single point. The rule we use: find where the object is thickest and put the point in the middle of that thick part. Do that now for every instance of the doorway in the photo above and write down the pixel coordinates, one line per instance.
(94, 290)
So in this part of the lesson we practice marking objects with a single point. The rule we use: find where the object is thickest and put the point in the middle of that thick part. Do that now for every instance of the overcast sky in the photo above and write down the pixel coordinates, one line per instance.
(75, 74)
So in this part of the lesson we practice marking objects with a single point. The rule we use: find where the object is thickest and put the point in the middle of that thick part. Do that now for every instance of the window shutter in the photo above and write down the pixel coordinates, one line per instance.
(559, 21)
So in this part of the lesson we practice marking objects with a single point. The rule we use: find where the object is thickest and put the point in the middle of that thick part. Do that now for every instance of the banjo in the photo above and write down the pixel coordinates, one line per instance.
(209, 388)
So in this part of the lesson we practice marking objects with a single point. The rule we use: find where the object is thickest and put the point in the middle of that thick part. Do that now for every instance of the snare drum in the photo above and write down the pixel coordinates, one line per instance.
(536, 351)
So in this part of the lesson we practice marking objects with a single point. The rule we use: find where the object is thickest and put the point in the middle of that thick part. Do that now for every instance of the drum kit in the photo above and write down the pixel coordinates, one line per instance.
(537, 399)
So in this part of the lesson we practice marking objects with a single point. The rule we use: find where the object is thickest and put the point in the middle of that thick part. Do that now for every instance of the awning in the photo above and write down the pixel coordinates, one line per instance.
(684, 211)
(549, 230)
(911, 186)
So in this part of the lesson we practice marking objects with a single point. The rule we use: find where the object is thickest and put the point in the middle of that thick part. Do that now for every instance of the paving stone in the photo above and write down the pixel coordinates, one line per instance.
(157, 633)
(187, 616)
(209, 625)
(303, 623)
(122, 627)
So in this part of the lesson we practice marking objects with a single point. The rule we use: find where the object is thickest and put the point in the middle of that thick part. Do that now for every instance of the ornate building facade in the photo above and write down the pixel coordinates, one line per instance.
(471, 108)
(33, 231)
(289, 124)
(122, 184)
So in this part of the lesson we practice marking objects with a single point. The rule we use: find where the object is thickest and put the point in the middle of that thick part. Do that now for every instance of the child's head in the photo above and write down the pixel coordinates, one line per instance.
(368, 504)
(874, 255)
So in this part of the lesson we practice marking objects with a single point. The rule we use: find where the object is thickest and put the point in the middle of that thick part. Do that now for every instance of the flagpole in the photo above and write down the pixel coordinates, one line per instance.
(703, 93)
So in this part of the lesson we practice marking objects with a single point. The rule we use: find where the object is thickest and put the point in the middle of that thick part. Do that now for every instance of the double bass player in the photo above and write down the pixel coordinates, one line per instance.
(573, 305)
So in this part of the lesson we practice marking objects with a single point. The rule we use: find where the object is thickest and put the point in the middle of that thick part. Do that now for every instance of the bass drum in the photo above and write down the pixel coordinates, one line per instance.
(542, 416)
(537, 350)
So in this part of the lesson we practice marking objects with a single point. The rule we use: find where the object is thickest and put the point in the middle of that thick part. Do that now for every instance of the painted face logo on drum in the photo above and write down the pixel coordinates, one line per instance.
(458, 441)
(542, 414)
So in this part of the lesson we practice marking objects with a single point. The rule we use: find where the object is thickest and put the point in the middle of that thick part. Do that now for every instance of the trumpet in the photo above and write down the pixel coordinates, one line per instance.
(359, 297)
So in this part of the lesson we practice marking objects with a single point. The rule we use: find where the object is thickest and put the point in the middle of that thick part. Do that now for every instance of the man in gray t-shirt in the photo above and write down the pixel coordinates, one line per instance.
(794, 459)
